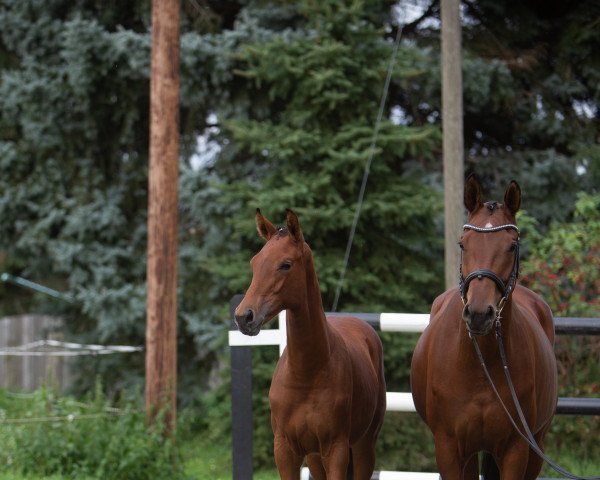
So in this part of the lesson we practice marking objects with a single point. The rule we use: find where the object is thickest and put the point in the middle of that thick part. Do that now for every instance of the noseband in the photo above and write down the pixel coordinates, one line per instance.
(505, 289)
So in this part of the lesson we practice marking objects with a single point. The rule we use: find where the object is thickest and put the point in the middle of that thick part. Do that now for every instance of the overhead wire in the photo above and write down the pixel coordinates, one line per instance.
(367, 170)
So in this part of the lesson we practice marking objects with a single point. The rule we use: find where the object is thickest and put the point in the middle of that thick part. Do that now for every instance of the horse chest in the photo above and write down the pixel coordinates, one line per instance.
(307, 404)
(467, 405)
(307, 420)
(308, 415)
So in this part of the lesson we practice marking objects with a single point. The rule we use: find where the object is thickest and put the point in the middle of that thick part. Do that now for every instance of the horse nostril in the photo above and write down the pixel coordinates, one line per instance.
(244, 318)
(467, 312)
(490, 312)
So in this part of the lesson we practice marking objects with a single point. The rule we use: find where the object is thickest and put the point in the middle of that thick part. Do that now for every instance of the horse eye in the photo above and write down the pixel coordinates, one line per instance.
(285, 265)
(513, 247)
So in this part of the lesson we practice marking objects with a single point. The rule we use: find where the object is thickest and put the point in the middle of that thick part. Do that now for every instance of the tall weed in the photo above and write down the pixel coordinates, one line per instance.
(46, 434)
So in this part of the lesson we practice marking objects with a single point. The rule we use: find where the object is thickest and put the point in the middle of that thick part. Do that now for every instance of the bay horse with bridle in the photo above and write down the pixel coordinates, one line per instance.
(450, 388)
(327, 395)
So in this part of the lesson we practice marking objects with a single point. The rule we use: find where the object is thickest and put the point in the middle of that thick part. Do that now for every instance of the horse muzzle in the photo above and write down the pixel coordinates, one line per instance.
(479, 322)
(248, 322)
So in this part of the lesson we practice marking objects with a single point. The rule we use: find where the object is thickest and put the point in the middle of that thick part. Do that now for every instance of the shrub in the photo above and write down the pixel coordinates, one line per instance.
(46, 434)
(563, 266)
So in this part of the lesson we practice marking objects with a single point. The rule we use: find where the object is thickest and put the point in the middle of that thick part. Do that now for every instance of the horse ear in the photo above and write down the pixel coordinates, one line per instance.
(512, 197)
(265, 228)
(293, 226)
(473, 194)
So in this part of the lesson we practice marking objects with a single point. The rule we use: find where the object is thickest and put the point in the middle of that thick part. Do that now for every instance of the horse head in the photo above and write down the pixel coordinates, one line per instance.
(490, 255)
(278, 274)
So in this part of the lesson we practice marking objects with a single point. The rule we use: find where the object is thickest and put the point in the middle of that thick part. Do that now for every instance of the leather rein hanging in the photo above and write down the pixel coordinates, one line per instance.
(506, 290)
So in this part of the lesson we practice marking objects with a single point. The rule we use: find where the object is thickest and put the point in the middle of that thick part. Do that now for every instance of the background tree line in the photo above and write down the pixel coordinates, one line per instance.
(278, 105)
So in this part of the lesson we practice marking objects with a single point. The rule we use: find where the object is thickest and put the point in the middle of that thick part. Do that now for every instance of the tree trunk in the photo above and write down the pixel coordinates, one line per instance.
(161, 322)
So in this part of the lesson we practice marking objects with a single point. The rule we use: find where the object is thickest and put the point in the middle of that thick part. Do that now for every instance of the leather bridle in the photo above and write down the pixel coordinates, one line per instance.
(505, 289)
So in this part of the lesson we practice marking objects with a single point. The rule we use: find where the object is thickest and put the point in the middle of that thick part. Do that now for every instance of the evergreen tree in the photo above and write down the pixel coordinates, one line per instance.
(530, 79)
(286, 94)
(285, 82)
(314, 80)
(73, 158)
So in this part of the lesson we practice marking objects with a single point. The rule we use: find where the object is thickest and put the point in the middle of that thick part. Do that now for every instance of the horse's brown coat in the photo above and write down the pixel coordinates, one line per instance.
(328, 391)
(449, 387)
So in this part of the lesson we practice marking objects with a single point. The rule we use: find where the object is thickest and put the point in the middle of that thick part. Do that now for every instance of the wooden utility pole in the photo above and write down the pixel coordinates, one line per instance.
(452, 124)
(161, 312)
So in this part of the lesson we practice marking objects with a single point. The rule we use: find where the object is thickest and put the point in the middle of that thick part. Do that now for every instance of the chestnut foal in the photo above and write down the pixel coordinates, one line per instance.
(327, 395)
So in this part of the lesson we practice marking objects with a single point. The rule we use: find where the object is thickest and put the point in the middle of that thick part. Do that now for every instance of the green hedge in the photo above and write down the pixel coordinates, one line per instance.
(44, 434)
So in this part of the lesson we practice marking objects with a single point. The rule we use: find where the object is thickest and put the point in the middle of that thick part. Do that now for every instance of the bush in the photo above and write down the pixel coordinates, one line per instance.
(45, 434)
(563, 267)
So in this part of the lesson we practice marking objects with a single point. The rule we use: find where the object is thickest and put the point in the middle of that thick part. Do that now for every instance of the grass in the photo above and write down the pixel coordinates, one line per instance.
(585, 467)
(207, 461)
(204, 460)
(15, 476)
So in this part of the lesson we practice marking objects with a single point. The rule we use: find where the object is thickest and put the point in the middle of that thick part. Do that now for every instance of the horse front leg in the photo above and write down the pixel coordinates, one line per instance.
(363, 458)
(336, 460)
(450, 462)
(288, 463)
(513, 464)
(315, 466)
(535, 462)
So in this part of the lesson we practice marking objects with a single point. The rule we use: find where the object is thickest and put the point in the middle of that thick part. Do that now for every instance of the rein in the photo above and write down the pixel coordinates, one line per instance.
(506, 291)
(529, 438)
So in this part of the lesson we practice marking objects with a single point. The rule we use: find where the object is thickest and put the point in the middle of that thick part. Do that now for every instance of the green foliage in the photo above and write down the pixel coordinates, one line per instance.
(564, 263)
(307, 149)
(531, 100)
(563, 267)
(288, 92)
(73, 182)
(304, 145)
(45, 434)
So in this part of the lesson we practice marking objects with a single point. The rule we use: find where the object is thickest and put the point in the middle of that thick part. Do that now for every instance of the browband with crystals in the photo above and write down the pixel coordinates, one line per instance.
(468, 226)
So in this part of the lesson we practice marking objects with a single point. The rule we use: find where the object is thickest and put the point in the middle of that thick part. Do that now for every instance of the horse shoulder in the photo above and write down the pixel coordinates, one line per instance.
(541, 367)
(537, 308)
(445, 310)
(362, 355)
(442, 306)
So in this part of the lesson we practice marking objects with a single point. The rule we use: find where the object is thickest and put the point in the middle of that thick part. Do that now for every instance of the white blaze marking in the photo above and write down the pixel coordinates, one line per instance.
(488, 225)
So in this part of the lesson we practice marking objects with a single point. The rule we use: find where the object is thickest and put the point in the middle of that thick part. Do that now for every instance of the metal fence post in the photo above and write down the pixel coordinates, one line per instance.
(241, 404)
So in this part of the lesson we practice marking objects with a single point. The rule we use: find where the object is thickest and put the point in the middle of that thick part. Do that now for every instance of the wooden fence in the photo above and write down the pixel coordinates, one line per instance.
(26, 373)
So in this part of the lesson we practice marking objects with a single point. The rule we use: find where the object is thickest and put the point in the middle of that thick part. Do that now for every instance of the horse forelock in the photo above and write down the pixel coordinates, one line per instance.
(491, 206)
(282, 232)
(499, 215)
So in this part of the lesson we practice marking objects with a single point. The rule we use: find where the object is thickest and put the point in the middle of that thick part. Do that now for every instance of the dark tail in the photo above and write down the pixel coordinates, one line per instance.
(489, 469)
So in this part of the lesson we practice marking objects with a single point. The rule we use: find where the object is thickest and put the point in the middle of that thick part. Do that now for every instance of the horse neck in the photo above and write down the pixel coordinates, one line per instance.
(308, 334)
